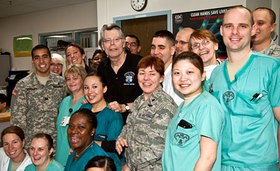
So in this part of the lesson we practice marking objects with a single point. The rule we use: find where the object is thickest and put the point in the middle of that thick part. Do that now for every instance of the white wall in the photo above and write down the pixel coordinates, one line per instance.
(275, 6)
(253, 4)
(107, 9)
(58, 19)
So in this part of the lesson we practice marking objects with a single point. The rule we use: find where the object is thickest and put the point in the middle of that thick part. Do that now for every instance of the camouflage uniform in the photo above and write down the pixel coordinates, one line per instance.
(145, 130)
(272, 50)
(35, 106)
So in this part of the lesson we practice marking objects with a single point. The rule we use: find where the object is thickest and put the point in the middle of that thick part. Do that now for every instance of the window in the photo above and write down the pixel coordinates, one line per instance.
(57, 41)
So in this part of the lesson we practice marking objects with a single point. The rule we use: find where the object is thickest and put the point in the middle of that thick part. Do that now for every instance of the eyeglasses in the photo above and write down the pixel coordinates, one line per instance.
(115, 40)
(133, 44)
(181, 42)
(203, 43)
(56, 65)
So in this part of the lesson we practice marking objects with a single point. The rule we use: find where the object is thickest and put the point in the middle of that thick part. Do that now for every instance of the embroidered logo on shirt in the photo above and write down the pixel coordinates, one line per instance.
(129, 77)
(181, 139)
(228, 96)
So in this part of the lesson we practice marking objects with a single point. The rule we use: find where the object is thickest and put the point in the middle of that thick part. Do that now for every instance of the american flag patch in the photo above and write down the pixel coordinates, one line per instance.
(14, 93)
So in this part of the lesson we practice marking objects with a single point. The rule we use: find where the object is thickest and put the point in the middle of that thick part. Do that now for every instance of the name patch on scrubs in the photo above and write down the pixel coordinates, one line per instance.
(181, 139)
(65, 121)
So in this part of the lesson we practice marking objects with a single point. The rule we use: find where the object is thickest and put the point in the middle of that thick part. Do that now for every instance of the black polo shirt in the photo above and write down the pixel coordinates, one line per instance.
(122, 87)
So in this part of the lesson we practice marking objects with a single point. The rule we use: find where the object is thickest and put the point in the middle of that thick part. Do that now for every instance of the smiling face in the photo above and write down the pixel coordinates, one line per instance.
(163, 49)
(264, 27)
(74, 55)
(40, 153)
(148, 79)
(13, 147)
(94, 90)
(79, 132)
(41, 61)
(237, 30)
(56, 67)
(113, 44)
(187, 78)
(96, 60)
(207, 51)
(74, 82)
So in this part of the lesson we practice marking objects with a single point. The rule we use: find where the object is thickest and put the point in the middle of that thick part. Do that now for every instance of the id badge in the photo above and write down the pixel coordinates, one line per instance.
(65, 121)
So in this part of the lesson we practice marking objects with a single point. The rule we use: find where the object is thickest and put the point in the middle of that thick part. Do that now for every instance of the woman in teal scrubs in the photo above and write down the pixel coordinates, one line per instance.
(109, 122)
(74, 76)
(41, 153)
(81, 130)
(194, 133)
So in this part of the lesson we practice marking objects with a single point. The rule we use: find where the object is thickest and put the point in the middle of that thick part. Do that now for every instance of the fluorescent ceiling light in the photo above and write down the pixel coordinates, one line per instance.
(58, 36)
(24, 38)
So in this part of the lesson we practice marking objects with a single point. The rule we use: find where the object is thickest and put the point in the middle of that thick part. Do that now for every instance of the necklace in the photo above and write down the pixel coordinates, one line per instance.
(77, 156)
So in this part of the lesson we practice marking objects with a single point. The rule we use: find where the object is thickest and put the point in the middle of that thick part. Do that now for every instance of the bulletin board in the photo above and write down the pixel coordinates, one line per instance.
(22, 45)
(210, 19)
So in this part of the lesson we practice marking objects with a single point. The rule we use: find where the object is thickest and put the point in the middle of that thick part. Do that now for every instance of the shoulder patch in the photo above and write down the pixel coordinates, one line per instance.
(15, 91)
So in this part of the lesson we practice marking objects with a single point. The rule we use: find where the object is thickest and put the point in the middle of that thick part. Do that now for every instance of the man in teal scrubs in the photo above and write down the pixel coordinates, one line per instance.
(247, 86)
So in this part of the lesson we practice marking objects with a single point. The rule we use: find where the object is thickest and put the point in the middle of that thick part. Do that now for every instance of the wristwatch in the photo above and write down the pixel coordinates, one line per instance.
(127, 108)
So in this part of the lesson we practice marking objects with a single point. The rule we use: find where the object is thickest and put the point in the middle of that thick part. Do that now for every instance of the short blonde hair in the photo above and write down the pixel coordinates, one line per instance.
(75, 68)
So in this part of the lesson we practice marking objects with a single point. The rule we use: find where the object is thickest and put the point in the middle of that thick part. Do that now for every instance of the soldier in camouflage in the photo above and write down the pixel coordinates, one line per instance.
(265, 23)
(144, 133)
(36, 98)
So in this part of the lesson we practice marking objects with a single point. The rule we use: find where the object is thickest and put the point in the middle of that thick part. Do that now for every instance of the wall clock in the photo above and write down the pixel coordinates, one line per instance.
(138, 5)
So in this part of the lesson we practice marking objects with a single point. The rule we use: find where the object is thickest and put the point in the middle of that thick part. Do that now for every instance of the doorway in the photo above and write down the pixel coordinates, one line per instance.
(144, 26)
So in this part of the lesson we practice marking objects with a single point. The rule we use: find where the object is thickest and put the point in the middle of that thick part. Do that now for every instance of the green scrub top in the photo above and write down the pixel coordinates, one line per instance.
(63, 146)
(182, 145)
(53, 166)
(250, 133)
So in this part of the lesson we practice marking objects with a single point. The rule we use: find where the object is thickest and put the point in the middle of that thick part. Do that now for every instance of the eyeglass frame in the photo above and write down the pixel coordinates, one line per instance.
(181, 42)
(204, 43)
(56, 64)
(133, 44)
(115, 40)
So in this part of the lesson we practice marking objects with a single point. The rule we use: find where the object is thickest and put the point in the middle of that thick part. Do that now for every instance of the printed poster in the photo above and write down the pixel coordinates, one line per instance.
(210, 19)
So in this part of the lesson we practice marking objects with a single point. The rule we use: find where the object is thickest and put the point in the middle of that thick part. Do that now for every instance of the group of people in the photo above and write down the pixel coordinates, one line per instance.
(180, 108)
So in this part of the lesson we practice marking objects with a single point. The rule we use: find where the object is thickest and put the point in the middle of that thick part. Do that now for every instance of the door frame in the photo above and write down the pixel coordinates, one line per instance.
(118, 20)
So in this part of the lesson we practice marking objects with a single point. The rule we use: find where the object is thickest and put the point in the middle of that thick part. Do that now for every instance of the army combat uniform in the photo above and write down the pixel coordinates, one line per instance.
(35, 106)
(272, 50)
(145, 130)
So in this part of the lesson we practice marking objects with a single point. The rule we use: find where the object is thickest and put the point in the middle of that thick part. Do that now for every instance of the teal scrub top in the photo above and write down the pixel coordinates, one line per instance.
(63, 147)
(109, 124)
(250, 133)
(80, 163)
(182, 145)
(53, 166)
(109, 127)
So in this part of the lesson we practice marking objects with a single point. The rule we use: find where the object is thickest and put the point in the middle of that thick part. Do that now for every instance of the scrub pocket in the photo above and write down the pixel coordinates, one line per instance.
(249, 106)
(184, 137)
